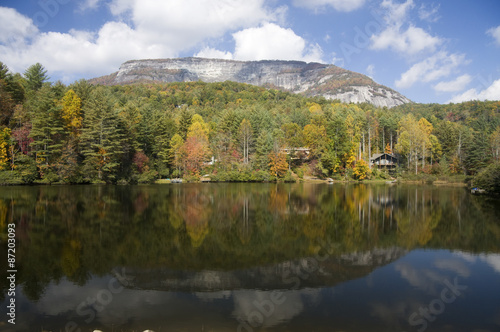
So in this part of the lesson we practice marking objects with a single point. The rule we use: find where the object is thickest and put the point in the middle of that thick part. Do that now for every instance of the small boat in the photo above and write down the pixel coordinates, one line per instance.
(391, 182)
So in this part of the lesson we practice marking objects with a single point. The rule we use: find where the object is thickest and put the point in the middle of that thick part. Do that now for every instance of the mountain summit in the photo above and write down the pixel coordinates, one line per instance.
(309, 79)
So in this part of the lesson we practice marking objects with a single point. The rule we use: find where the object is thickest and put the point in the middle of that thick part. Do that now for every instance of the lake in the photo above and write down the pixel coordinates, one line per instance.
(251, 257)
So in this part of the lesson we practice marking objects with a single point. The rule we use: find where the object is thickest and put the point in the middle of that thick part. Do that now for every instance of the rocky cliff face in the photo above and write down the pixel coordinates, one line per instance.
(310, 79)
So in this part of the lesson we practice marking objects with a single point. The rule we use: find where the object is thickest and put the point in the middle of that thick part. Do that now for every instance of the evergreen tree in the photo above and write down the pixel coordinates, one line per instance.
(478, 154)
(102, 137)
(263, 147)
(35, 76)
(47, 127)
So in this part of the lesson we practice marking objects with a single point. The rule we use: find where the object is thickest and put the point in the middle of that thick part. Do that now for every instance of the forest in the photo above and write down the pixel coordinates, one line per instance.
(83, 133)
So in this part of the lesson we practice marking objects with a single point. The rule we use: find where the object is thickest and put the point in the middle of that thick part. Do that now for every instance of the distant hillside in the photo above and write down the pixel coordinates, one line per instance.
(309, 79)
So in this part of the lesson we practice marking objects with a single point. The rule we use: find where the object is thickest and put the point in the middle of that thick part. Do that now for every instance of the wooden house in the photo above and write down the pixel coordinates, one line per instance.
(384, 161)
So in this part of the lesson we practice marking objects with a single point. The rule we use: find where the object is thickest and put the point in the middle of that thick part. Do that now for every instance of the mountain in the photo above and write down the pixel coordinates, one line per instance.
(309, 79)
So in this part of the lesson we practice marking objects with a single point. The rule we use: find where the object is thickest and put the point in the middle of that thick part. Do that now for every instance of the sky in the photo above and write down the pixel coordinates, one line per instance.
(430, 51)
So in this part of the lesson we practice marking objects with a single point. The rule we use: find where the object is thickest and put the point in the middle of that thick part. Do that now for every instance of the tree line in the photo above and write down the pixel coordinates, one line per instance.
(81, 133)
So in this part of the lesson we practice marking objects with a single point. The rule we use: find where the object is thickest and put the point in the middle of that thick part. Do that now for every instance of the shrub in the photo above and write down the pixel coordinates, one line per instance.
(488, 179)
(289, 177)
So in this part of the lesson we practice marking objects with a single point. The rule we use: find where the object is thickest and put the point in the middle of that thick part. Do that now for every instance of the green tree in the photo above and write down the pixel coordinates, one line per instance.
(263, 146)
(101, 138)
(176, 153)
(35, 76)
(185, 122)
(245, 135)
(47, 128)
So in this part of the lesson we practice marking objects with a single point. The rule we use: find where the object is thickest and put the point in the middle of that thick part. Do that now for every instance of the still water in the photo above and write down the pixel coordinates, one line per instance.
(252, 257)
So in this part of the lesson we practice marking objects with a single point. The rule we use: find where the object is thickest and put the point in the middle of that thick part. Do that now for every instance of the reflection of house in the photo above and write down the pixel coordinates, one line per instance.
(384, 161)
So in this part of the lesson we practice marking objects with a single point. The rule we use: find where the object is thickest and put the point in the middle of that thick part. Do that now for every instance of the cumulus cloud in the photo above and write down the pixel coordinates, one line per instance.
(14, 27)
(82, 52)
(455, 85)
(339, 5)
(175, 22)
(270, 41)
(142, 29)
(411, 41)
(495, 33)
(491, 92)
(213, 53)
(432, 68)
(396, 12)
(395, 36)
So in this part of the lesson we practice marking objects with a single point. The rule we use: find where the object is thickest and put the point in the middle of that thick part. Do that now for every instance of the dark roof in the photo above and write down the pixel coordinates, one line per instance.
(378, 155)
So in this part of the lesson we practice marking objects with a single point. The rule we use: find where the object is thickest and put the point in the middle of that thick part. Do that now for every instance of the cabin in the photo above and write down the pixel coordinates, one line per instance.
(297, 153)
(384, 161)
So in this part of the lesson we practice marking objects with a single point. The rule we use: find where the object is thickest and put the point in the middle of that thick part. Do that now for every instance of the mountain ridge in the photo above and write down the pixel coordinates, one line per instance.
(309, 79)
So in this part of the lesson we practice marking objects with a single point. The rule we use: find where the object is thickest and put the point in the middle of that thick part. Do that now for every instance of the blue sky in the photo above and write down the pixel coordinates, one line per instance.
(430, 51)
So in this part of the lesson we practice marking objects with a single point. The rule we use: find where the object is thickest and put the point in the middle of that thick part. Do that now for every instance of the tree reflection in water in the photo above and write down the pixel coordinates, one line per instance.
(239, 241)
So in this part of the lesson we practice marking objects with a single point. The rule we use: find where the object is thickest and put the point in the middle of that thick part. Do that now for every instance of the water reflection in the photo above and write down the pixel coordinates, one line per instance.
(251, 256)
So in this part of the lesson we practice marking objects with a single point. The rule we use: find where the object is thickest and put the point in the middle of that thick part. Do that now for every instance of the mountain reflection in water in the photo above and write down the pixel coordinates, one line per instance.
(252, 257)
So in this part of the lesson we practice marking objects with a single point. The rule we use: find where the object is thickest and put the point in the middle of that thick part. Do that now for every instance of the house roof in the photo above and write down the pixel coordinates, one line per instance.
(378, 155)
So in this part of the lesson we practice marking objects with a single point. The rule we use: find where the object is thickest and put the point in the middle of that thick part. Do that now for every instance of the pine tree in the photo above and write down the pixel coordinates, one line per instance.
(47, 127)
(35, 76)
(176, 153)
(245, 135)
(101, 138)
(263, 146)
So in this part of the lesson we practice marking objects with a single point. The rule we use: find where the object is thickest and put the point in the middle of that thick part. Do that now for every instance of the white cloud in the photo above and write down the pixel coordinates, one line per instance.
(495, 33)
(432, 68)
(411, 40)
(270, 42)
(337, 61)
(339, 5)
(396, 12)
(89, 4)
(119, 7)
(144, 29)
(455, 85)
(370, 70)
(430, 15)
(81, 52)
(490, 93)
(14, 27)
(212, 53)
(185, 23)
